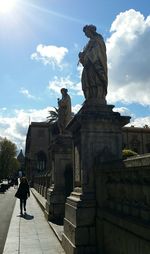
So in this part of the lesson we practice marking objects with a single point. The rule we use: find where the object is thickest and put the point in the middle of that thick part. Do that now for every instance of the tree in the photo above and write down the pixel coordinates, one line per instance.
(8, 164)
(53, 116)
(128, 153)
(15, 165)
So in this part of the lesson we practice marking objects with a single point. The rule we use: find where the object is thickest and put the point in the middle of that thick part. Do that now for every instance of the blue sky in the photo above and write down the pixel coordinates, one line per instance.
(39, 45)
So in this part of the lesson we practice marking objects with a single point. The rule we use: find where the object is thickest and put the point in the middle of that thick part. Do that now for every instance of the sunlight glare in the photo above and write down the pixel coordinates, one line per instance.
(7, 5)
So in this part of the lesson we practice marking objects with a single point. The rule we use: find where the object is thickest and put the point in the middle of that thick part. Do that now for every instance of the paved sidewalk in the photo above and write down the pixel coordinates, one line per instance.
(57, 228)
(31, 233)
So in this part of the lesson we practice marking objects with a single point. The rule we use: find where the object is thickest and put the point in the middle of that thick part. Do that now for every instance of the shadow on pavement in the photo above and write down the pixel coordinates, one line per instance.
(57, 221)
(26, 216)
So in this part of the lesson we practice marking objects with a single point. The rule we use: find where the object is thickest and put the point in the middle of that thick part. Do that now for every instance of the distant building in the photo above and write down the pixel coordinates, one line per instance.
(21, 159)
(137, 139)
(36, 150)
(39, 137)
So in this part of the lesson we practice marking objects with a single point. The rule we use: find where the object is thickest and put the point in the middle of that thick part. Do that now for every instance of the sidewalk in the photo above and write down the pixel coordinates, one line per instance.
(57, 228)
(31, 233)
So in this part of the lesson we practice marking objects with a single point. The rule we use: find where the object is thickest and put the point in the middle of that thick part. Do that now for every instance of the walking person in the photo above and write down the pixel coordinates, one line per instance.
(23, 193)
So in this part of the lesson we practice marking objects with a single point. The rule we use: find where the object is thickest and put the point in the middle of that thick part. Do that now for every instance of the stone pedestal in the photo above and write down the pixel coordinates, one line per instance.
(79, 225)
(61, 150)
(97, 138)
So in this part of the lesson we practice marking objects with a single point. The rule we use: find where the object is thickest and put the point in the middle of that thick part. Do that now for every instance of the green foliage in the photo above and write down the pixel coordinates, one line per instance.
(8, 164)
(15, 165)
(128, 153)
(53, 115)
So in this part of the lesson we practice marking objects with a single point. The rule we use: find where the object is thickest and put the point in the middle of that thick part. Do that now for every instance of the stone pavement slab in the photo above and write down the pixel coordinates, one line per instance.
(31, 233)
(57, 228)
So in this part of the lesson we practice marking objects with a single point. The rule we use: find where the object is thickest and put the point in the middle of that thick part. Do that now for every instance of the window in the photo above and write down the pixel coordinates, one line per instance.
(41, 161)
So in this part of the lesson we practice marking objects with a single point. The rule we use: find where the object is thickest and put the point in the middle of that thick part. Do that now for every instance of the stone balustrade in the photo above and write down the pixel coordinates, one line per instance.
(123, 207)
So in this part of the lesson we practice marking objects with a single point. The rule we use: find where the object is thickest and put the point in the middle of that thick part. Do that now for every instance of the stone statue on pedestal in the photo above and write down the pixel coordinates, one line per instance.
(94, 60)
(64, 110)
(97, 145)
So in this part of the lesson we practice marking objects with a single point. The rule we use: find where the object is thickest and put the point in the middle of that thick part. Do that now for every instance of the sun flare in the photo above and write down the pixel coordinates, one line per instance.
(7, 5)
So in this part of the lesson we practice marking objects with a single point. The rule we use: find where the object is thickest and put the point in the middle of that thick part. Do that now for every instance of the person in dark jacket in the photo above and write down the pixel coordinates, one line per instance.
(23, 193)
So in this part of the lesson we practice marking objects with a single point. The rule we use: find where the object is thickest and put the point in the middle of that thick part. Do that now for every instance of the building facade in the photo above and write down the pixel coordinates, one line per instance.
(36, 150)
(39, 136)
(137, 139)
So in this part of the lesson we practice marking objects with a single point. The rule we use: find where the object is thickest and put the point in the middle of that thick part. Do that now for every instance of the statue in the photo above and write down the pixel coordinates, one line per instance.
(94, 60)
(64, 110)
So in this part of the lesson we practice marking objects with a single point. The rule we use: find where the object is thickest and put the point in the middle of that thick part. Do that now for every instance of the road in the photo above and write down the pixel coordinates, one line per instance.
(7, 202)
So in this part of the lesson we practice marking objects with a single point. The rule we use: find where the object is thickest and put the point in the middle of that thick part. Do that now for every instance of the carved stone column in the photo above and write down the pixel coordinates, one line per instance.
(97, 137)
(61, 149)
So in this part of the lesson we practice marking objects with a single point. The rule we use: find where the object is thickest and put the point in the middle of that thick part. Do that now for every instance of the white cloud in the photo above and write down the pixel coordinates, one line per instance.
(140, 122)
(124, 111)
(27, 94)
(50, 54)
(76, 108)
(128, 59)
(15, 128)
(135, 121)
(3, 109)
(58, 82)
(129, 75)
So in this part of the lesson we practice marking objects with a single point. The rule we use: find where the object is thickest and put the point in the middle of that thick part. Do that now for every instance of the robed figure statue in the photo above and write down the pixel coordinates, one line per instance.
(94, 60)
(64, 110)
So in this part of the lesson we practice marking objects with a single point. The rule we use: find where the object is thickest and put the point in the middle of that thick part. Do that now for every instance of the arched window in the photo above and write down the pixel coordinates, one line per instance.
(41, 161)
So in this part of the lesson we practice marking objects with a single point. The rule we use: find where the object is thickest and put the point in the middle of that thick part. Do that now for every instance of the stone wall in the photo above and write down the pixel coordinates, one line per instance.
(123, 207)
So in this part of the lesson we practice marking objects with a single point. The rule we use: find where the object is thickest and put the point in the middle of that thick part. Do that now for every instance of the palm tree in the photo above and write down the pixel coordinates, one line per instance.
(53, 116)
